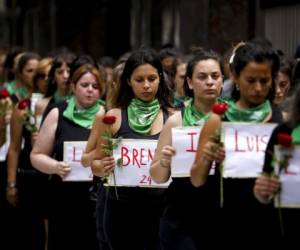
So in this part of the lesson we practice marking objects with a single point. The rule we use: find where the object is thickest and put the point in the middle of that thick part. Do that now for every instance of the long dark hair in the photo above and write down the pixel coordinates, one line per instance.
(137, 58)
(294, 118)
(248, 52)
(58, 61)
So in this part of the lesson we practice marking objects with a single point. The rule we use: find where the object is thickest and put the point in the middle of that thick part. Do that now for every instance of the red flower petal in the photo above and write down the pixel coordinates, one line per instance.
(23, 104)
(284, 139)
(109, 119)
(220, 108)
(4, 93)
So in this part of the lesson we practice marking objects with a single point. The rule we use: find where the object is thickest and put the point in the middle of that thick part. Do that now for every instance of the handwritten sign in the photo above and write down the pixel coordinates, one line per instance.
(136, 156)
(289, 195)
(185, 143)
(72, 155)
(245, 145)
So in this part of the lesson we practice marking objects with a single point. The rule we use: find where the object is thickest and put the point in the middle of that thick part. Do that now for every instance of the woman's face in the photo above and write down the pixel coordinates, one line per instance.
(86, 90)
(42, 82)
(282, 86)
(254, 82)
(62, 75)
(144, 82)
(28, 72)
(207, 80)
(179, 77)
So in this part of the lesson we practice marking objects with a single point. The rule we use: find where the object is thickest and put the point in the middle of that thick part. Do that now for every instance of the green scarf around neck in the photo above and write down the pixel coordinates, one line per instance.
(257, 114)
(59, 98)
(193, 117)
(296, 135)
(141, 115)
(82, 117)
(21, 92)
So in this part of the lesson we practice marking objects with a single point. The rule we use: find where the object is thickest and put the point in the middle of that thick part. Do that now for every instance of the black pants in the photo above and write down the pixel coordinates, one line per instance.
(131, 224)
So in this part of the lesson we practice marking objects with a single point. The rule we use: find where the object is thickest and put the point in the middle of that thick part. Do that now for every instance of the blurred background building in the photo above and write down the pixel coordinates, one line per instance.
(113, 27)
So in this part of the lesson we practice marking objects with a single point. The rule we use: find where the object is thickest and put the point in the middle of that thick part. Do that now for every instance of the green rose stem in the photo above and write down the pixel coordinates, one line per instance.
(219, 109)
(111, 145)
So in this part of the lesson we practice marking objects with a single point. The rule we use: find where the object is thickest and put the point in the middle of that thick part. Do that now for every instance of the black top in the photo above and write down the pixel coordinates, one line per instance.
(67, 130)
(185, 202)
(134, 193)
(238, 192)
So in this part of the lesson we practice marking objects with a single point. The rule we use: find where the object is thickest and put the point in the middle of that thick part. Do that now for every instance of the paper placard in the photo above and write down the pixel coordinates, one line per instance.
(4, 147)
(35, 97)
(185, 143)
(289, 195)
(136, 155)
(72, 155)
(245, 145)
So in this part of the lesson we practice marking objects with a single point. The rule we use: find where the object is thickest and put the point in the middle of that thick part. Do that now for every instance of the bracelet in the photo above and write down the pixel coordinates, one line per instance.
(163, 165)
(11, 185)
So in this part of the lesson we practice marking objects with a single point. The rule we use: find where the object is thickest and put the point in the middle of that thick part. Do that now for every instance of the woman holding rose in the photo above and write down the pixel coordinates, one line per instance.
(203, 83)
(254, 67)
(268, 184)
(130, 216)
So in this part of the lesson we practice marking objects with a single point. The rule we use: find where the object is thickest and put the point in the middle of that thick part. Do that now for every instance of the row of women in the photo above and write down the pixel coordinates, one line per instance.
(186, 214)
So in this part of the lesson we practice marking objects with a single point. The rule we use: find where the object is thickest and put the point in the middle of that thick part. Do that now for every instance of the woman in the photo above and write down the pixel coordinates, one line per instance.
(69, 121)
(131, 220)
(58, 83)
(203, 84)
(22, 179)
(267, 185)
(254, 69)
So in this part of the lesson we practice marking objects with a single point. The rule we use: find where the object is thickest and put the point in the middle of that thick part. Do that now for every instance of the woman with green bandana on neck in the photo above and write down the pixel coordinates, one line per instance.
(130, 220)
(203, 83)
(268, 184)
(254, 67)
(22, 87)
(58, 83)
(69, 201)
(21, 176)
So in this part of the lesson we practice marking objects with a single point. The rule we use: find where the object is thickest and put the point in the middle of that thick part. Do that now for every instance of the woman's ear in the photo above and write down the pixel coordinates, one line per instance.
(129, 83)
(189, 83)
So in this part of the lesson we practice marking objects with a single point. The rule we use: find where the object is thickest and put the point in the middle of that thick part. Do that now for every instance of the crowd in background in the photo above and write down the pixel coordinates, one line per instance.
(47, 100)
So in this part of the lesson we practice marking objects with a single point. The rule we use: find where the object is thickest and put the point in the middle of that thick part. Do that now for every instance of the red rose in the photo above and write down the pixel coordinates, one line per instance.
(284, 140)
(4, 93)
(109, 119)
(220, 108)
(23, 104)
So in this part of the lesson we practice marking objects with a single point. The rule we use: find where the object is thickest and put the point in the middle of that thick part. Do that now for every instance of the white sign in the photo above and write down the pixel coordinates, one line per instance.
(72, 155)
(185, 143)
(245, 145)
(4, 147)
(35, 97)
(136, 155)
(289, 195)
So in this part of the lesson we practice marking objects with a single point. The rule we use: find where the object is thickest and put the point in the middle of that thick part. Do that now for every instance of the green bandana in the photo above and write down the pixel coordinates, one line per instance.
(296, 135)
(21, 92)
(141, 115)
(59, 98)
(179, 100)
(82, 117)
(257, 114)
(192, 117)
